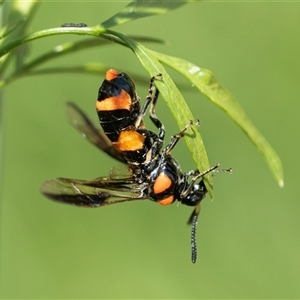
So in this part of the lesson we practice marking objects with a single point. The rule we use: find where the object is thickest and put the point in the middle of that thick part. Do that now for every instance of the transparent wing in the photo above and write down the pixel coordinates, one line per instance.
(83, 124)
(92, 193)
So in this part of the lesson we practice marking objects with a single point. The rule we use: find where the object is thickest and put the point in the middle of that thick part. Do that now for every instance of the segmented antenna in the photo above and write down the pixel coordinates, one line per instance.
(193, 238)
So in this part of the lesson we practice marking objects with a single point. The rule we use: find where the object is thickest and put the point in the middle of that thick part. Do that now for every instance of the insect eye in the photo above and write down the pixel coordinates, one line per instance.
(197, 193)
(192, 199)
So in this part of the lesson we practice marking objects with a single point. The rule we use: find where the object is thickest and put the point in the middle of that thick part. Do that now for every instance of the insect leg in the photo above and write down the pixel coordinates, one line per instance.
(175, 138)
(195, 178)
(151, 97)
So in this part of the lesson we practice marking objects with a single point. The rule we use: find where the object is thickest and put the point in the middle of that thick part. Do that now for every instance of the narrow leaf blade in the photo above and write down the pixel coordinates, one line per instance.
(208, 85)
(140, 9)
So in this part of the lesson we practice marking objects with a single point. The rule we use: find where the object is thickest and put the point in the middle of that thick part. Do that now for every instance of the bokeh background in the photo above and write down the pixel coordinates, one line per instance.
(248, 237)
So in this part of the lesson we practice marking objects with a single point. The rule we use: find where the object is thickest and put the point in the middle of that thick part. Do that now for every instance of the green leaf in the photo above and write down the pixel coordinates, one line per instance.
(208, 85)
(20, 11)
(17, 16)
(176, 103)
(141, 9)
(6, 30)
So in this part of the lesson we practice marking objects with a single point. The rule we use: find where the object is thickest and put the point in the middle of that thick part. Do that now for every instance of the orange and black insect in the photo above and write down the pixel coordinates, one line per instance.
(121, 117)
(152, 173)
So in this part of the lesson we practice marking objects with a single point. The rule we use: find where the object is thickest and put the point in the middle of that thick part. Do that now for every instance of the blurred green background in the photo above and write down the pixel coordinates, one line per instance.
(248, 238)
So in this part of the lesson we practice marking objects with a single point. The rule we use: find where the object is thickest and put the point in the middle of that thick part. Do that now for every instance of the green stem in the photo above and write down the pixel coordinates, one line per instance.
(64, 49)
(94, 31)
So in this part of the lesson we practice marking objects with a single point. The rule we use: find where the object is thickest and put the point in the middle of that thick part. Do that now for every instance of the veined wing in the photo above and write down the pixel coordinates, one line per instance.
(83, 124)
(92, 193)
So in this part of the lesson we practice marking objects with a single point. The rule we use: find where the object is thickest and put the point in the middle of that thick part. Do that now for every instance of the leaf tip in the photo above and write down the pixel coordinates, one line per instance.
(281, 184)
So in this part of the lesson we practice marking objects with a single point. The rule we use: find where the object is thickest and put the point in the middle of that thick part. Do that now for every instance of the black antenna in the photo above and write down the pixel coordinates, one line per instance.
(194, 221)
